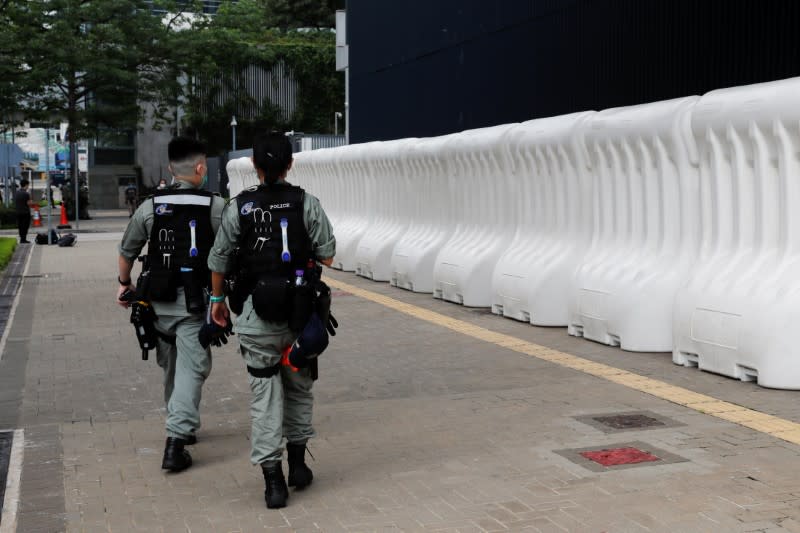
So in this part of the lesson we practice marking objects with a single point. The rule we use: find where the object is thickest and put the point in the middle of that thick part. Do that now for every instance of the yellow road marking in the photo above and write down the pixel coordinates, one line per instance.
(756, 420)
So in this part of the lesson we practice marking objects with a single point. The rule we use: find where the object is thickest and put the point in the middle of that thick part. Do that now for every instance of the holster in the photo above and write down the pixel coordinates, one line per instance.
(143, 318)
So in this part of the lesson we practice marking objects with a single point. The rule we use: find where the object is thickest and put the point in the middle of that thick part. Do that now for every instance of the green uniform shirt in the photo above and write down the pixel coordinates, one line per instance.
(323, 243)
(138, 232)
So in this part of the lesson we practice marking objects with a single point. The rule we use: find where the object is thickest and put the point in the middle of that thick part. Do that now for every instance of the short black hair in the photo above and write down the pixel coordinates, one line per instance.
(182, 148)
(24, 183)
(272, 154)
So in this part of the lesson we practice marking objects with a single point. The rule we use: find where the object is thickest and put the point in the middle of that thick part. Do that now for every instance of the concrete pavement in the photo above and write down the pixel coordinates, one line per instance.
(422, 427)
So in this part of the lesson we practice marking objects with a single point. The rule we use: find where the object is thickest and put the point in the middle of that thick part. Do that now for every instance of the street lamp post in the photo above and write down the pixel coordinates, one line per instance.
(233, 129)
(336, 117)
(47, 184)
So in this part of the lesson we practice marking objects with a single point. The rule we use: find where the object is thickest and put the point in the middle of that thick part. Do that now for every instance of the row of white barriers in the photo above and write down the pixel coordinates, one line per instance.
(671, 226)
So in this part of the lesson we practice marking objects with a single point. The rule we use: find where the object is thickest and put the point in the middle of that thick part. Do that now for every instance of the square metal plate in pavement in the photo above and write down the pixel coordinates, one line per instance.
(628, 421)
(6, 440)
(619, 456)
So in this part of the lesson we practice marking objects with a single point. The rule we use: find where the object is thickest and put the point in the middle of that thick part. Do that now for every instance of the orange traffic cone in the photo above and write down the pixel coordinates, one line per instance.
(37, 219)
(64, 222)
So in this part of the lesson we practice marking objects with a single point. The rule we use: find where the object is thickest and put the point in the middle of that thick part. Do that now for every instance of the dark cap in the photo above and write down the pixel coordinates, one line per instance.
(312, 341)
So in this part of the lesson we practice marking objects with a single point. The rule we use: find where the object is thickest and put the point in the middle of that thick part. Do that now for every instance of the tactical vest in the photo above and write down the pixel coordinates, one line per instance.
(180, 241)
(273, 246)
(263, 210)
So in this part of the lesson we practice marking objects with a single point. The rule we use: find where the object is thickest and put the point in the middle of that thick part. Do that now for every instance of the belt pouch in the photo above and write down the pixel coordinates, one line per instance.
(271, 298)
(193, 291)
(303, 306)
(162, 286)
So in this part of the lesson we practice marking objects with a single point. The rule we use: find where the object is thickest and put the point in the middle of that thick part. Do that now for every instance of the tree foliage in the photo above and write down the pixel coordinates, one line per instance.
(15, 76)
(89, 61)
(100, 64)
(293, 14)
(269, 36)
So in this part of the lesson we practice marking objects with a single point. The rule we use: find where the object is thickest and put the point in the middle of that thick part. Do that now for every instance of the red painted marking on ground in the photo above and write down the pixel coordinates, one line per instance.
(619, 456)
(340, 293)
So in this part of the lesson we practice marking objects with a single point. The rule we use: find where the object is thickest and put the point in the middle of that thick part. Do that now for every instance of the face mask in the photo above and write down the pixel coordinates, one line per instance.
(205, 181)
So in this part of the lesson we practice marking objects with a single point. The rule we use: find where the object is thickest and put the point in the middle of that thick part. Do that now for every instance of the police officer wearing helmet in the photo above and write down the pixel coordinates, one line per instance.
(267, 236)
(179, 223)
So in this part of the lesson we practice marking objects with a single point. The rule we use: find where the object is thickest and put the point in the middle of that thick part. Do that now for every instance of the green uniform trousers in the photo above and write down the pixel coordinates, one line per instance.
(281, 405)
(186, 366)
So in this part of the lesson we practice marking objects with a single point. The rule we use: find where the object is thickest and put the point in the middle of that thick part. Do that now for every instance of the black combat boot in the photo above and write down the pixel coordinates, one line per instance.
(175, 457)
(300, 475)
(276, 492)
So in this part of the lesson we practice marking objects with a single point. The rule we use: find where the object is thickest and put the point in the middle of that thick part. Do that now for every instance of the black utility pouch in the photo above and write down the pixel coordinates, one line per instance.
(236, 289)
(162, 286)
(271, 298)
(143, 286)
(302, 307)
(322, 304)
(193, 291)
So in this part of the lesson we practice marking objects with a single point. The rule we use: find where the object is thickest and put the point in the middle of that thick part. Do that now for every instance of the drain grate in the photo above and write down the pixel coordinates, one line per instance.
(619, 456)
(6, 439)
(628, 421)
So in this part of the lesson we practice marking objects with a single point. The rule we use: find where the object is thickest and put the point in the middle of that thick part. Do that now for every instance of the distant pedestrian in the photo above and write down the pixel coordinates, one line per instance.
(131, 198)
(162, 183)
(22, 201)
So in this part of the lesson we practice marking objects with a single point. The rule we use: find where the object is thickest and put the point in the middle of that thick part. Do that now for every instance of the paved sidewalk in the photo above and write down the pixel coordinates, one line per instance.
(421, 428)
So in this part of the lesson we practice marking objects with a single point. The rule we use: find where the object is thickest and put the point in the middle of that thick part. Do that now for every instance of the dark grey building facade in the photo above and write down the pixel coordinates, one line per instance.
(422, 68)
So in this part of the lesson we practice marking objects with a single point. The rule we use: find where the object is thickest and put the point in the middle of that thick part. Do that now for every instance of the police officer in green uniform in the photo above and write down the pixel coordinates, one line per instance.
(179, 223)
(267, 236)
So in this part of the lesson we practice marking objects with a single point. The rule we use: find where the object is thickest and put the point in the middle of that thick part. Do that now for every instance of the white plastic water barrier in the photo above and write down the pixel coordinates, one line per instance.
(426, 204)
(669, 226)
(390, 207)
(644, 239)
(739, 311)
(351, 171)
(549, 198)
(241, 175)
(478, 210)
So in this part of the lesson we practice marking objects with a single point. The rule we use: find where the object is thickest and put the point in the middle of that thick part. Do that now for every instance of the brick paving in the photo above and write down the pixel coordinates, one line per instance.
(420, 428)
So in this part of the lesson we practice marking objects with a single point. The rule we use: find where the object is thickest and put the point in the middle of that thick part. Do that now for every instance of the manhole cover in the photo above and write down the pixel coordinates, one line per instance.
(628, 421)
(619, 456)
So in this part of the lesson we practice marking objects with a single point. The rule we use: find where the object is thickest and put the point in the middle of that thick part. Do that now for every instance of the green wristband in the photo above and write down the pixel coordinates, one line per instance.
(216, 299)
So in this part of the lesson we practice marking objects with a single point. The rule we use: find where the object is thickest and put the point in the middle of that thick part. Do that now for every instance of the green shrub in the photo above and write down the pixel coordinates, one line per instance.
(8, 217)
(7, 247)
